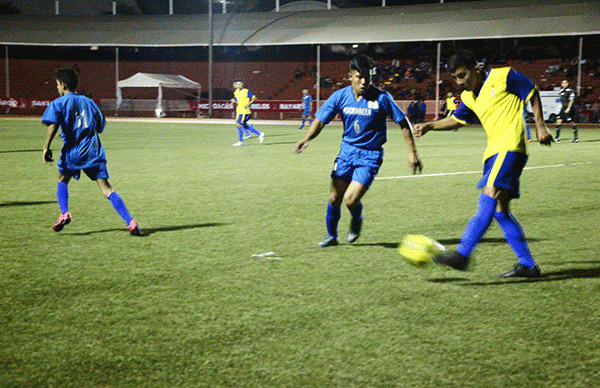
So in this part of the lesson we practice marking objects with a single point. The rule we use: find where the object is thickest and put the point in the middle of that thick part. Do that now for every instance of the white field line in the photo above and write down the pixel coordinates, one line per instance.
(476, 172)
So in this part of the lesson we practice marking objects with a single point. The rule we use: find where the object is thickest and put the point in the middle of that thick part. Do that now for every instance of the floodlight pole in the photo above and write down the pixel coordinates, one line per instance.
(7, 75)
(579, 66)
(210, 59)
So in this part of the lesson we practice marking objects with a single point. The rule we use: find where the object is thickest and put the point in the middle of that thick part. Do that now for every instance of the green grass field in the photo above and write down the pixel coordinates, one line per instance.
(229, 289)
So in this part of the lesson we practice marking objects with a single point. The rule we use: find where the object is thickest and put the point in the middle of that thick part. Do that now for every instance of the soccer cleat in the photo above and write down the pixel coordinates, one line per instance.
(261, 137)
(239, 143)
(63, 219)
(247, 136)
(134, 228)
(354, 231)
(452, 259)
(520, 271)
(557, 139)
(576, 140)
(329, 242)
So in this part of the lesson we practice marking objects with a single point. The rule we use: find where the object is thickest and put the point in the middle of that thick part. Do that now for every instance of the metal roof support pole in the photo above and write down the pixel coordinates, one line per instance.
(579, 66)
(7, 74)
(210, 58)
(318, 76)
(437, 78)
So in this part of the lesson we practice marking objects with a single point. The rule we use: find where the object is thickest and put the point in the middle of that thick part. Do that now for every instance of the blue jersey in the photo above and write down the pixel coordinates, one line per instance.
(365, 119)
(80, 121)
(307, 101)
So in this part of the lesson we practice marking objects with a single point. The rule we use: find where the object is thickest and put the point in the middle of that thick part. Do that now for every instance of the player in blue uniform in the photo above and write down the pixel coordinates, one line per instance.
(307, 106)
(364, 110)
(496, 98)
(80, 121)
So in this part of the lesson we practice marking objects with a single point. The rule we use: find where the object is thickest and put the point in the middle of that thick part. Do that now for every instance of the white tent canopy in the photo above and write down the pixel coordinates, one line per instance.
(159, 81)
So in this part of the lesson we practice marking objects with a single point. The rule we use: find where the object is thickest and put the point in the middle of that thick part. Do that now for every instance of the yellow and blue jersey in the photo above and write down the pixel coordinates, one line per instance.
(242, 96)
(499, 108)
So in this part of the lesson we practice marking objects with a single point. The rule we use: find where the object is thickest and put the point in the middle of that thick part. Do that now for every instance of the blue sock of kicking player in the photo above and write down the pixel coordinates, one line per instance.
(117, 202)
(356, 217)
(253, 130)
(332, 219)
(62, 194)
(241, 133)
(478, 224)
(515, 237)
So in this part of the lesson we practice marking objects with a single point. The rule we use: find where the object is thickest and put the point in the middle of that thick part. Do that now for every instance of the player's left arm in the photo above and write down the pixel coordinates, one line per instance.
(414, 161)
(46, 151)
(252, 99)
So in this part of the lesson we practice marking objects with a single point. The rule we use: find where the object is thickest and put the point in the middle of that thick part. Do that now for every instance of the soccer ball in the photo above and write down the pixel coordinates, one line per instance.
(419, 250)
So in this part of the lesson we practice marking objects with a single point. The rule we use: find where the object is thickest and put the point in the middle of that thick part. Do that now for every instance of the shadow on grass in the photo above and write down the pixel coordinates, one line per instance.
(148, 231)
(26, 203)
(553, 276)
(18, 151)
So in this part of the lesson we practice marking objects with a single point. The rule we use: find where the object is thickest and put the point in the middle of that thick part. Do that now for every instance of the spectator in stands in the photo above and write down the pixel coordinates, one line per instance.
(80, 121)
(569, 111)
(244, 98)
(595, 108)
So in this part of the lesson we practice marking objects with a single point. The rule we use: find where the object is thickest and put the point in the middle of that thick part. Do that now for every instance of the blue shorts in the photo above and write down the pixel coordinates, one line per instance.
(243, 119)
(94, 173)
(503, 170)
(306, 112)
(357, 164)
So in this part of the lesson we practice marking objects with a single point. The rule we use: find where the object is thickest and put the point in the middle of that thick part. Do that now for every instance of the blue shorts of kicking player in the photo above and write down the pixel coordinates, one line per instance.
(242, 119)
(94, 173)
(357, 164)
(503, 170)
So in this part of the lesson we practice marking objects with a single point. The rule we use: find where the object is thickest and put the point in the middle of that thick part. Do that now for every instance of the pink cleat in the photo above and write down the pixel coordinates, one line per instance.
(134, 228)
(63, 219)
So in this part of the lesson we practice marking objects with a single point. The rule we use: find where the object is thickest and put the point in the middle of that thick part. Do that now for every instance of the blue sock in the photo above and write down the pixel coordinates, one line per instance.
(478, 224)
(120, 207)
(253, 130)
(515, 237)
(332, 219)
(241, 133)
(357, 211)
(303, 121)
(62, 194)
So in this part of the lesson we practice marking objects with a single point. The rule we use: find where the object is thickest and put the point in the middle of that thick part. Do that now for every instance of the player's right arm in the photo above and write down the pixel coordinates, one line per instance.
(445, 124)
(46, 151)
(313, 131)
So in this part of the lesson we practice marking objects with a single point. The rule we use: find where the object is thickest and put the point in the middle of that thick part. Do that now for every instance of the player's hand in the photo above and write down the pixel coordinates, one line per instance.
(415, 163)
(421, 129)
(301, 145)
(544, 136)
(47, 155)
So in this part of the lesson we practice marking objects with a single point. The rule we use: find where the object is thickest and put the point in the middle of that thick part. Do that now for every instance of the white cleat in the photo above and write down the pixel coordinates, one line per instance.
(261, 137)
(239, 143)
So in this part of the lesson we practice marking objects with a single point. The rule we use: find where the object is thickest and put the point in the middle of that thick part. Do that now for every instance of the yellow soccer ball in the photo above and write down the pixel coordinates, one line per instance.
(419, 250)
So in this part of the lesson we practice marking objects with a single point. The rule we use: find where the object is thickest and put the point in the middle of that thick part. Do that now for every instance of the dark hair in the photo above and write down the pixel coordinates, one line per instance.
(363, 64)
(237, 80)
(69, 77)
(462, 58)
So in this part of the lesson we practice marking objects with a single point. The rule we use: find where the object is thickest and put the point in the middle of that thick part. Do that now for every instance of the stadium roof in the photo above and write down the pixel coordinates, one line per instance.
(417, 23)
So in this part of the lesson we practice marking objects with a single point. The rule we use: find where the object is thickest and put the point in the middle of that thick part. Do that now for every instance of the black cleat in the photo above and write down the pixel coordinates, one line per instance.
(520, 271)
(354, 231)
(452, 259)
(329, 241)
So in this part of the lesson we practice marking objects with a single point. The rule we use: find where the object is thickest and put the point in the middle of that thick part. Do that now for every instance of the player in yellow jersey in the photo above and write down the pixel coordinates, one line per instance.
(496, 98)
(451, 103)
(244, 98)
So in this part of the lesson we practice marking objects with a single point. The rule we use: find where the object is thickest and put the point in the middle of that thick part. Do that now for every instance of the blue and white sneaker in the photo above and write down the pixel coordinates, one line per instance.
(354, 232)
(329, 242)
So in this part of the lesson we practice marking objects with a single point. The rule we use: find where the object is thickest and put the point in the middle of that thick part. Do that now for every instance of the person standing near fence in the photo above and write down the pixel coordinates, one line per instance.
(307, 106)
